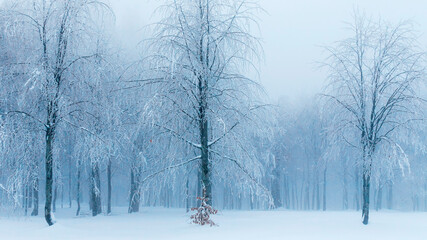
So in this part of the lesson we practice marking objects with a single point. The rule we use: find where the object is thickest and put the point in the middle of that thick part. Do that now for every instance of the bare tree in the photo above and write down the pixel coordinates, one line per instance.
(373, 76)
(202, 49)
(57, 27)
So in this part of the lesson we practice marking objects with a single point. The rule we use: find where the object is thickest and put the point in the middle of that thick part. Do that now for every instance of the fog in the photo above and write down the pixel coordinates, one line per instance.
(105, 113)
(293, 35)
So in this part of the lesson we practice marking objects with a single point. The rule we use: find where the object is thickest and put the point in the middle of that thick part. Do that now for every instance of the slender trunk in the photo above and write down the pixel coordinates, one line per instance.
(55, 193)
(30, 195)
(69, 182)
(26, 199)
(36, 197)
(187, 205)
(78, 187)
(109, 186)
(366, 188)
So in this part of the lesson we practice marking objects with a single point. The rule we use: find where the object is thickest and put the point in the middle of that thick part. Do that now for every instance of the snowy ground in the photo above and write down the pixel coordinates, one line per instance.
(173, 224)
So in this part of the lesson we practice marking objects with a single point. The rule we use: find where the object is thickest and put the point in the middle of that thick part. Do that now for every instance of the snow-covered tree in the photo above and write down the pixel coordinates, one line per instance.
(373, 79)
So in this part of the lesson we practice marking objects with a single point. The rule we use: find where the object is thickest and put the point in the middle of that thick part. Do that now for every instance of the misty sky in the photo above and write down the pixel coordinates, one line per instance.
(293, 33)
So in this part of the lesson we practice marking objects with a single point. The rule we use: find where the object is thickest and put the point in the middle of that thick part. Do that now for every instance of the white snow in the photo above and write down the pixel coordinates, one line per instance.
(173, 224)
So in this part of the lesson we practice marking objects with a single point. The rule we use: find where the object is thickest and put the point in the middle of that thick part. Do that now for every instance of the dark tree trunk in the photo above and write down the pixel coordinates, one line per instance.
(109, 187)
(206, 171)
(49, 172)
(36, 197)
(366, 189)
(95, 189)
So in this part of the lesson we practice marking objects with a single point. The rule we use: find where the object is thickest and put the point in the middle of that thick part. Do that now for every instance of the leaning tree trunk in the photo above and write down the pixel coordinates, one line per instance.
(50, 132)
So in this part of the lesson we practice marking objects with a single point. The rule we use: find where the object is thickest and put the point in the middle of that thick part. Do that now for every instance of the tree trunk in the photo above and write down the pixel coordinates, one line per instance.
(95, 189)
(69, 183)
(135, 196)
(187, 205)
(55, 193)
(49, 174)
(30, 195)
(366, 189)
(205, 166)
(78, 187)
(26, 199)
(36, 197)
(109, 187)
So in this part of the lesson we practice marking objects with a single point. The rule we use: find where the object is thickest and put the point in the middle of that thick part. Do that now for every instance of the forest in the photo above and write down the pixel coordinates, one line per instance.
(182, 119)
